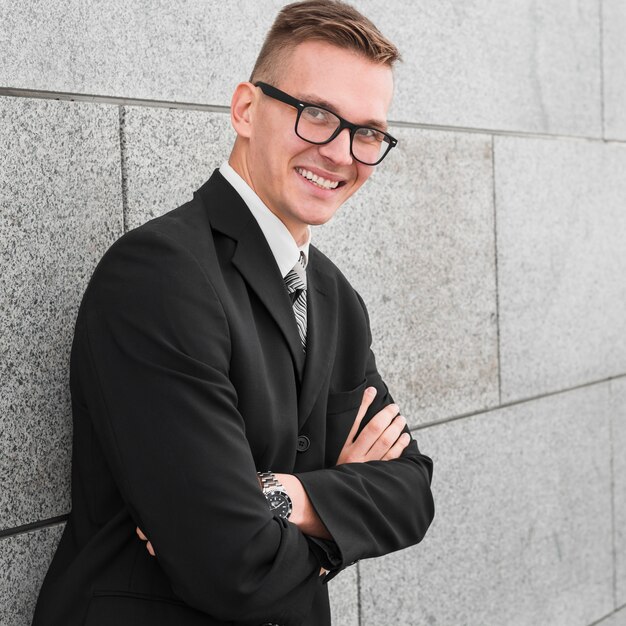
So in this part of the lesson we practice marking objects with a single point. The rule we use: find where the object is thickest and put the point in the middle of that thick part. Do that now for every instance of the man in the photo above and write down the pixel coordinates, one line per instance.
(226, 402)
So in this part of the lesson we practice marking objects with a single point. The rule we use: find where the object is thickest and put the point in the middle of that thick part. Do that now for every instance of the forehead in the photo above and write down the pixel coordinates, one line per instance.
(354, 86)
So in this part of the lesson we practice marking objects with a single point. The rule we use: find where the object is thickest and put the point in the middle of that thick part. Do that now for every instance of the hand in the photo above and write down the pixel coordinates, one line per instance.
(380, 439)
(144, 538)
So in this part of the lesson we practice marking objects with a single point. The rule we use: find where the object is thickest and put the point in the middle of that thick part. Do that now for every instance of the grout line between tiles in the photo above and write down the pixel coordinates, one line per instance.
(216, 108)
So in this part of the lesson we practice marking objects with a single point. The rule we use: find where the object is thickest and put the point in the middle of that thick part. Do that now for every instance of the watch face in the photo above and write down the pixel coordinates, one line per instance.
(280, 504)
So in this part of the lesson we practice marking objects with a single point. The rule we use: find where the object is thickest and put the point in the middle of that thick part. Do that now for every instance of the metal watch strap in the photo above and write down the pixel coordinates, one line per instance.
(269, 480)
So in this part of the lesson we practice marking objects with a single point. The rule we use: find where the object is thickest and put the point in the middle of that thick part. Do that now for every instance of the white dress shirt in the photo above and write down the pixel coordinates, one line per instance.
(281, 242)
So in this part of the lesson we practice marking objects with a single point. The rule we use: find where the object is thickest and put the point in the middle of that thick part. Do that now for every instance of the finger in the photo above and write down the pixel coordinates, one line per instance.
(368, 397)
(374, 429)
(140, 534)
(150, 548)
(387, 438)
(396, 450)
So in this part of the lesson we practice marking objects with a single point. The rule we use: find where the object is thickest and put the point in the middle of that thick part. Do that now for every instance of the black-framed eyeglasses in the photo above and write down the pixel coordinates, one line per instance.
(318, 125)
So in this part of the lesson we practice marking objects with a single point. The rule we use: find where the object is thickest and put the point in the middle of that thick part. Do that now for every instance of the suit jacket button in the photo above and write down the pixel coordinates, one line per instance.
(303, 443)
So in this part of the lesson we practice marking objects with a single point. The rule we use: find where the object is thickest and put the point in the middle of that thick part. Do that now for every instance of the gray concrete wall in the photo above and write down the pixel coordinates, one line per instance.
(489, 248)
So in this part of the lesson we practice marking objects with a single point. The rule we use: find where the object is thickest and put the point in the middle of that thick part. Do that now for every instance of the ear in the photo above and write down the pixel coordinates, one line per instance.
(241, 108)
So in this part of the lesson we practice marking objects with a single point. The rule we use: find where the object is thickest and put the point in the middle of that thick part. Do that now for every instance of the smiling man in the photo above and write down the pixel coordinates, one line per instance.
(300, 182)
(226, 403)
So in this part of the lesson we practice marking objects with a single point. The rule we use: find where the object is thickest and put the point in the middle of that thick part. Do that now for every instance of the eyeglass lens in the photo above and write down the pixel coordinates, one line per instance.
(318, 125)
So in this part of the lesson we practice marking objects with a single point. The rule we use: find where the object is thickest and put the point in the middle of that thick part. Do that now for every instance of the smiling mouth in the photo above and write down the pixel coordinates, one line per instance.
(322, 183)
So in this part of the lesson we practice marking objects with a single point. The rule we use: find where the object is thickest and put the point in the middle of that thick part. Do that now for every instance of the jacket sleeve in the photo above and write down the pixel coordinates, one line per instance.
(377, 507)
(152, 347)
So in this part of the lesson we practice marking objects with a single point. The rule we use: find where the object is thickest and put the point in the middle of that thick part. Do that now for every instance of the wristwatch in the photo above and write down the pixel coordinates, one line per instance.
(277, 497)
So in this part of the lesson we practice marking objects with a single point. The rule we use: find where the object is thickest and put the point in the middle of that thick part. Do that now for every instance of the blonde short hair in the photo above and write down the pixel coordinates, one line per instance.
(331, 21)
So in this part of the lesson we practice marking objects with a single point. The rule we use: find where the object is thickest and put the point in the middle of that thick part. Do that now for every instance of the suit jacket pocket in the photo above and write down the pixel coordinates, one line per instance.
(342, 401)
(341, 412)
(121, 608)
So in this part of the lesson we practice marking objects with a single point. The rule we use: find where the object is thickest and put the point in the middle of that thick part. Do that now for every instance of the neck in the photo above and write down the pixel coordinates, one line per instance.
(299, 232)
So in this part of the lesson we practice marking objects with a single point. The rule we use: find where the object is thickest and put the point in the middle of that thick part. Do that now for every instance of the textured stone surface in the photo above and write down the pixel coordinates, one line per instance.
(523, 65)
(615, 619)
(344, 597)
(417, 241)
(561, 227)
(178, 50)
(614, 55)
(522, 529)
(168, 154)
(538, 70)
(618, 412)
(60, 208)
(24, 561)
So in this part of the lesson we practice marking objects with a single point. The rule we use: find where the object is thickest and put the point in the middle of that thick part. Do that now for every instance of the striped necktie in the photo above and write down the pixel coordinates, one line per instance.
(295, 281)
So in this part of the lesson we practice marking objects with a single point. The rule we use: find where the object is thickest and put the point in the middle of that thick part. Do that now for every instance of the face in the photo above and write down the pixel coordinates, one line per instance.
(275, 162)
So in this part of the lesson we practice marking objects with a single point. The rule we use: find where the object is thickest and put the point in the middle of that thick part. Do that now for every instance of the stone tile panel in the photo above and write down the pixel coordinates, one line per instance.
(168, 154)
(60, 208)
(524, 65)
(177, 50)
(561, 227)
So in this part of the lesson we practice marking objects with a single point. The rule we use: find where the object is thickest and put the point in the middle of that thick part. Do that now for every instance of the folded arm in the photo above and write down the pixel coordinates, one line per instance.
(381, 439)
(378, 506)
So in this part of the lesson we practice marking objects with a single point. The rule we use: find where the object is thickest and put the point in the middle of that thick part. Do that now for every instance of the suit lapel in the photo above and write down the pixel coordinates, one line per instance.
(265, 280)
(253, 258)
(321, 336)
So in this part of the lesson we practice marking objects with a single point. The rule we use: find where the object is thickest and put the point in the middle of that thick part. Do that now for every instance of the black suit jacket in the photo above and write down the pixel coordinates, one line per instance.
(187, 377)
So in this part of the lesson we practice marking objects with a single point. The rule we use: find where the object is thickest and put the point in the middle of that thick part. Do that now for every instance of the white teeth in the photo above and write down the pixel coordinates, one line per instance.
(318, 180)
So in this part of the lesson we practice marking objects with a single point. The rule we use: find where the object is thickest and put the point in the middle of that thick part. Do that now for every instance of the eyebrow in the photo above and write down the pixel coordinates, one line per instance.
(315, 101)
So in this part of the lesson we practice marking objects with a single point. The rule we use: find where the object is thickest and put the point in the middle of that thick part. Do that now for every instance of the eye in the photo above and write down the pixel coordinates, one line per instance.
(318, 116)
(370, 135)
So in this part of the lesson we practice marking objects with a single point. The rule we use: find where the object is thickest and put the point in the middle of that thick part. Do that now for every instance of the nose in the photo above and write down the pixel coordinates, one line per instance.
(338, 150)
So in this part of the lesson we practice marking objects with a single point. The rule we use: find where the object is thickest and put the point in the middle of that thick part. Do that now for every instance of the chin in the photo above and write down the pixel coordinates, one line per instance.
(316, 215)
(317, 218)
(321, 220)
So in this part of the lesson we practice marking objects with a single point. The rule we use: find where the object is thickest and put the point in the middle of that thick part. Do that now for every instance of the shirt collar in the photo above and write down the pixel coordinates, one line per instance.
(282, 244)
